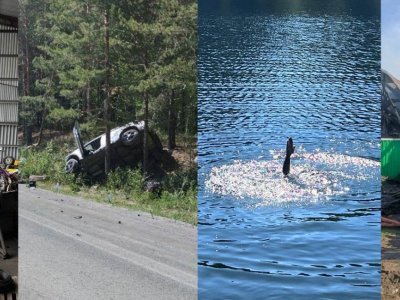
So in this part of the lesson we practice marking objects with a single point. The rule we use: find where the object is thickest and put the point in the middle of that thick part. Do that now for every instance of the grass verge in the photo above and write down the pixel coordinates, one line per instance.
(124, 187)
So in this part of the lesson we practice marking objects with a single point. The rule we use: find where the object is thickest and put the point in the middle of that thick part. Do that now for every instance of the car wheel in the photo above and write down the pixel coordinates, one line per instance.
(130, 136)
(9, 160)
(72, 166)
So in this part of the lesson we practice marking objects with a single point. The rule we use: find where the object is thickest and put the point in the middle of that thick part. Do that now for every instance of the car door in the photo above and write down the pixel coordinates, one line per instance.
(94, 160)
(77, 135)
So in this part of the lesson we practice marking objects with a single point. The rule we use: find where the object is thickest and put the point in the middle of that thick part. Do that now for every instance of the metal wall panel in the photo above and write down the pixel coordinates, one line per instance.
(7, 27)
(8, 135)
(8, 92)
(9, 112)
(8, 151)
(8, 141)
(8, 68)
(8, 43)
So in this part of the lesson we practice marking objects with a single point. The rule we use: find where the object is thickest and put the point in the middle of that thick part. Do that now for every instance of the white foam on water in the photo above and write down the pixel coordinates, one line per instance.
(313, 177)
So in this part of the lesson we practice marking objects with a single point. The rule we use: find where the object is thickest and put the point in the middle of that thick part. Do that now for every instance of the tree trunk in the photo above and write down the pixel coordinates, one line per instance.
(26, 79)
(27, 62)
(172, 122)
(28, 135)
(107, 162)
(41, 128)
(146, 135)
(89, 65)
(188, 146)
(88, 108)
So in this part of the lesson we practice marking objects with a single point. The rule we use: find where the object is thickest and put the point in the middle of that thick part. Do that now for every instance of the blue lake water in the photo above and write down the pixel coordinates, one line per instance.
(269, 70)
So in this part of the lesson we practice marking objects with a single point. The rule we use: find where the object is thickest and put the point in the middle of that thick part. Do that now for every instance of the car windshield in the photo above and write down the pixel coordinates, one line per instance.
(93, 145)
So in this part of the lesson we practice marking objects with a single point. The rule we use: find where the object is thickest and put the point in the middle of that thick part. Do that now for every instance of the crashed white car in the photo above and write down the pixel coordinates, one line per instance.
(126, 149)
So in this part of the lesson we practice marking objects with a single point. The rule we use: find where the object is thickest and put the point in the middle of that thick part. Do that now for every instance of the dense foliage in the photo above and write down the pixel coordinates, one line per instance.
(106, 63)
(76, 53)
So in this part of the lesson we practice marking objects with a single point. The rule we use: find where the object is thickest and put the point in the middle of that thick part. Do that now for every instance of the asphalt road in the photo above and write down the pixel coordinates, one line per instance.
(72, 248)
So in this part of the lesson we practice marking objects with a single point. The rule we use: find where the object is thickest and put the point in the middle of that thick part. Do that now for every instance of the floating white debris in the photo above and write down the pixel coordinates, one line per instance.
(313, 177)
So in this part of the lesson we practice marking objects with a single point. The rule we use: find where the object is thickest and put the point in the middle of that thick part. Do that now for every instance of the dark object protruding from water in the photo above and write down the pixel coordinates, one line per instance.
(289, 152)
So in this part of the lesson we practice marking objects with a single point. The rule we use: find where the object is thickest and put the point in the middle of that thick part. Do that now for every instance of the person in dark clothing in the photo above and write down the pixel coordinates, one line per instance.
(289, 152)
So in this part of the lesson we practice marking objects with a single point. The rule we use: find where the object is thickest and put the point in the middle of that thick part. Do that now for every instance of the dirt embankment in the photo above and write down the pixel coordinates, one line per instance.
(185, 157)
(391, 242)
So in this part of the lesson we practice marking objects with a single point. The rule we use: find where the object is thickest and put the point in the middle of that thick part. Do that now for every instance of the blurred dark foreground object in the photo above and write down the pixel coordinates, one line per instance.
(9, 214)
(6, 282)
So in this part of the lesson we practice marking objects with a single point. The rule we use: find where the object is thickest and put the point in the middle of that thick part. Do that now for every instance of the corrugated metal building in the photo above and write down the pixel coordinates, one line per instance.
(8, 78)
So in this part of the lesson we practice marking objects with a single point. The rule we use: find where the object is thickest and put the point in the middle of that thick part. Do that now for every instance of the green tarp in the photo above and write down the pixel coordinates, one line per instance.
(390, 158)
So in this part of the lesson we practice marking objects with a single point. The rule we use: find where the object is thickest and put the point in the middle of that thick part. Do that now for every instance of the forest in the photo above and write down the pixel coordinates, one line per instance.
(103, 64)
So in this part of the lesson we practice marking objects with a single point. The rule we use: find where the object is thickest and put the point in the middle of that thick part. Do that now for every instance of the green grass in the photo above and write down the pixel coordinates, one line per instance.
(390, 231)
(123, 187)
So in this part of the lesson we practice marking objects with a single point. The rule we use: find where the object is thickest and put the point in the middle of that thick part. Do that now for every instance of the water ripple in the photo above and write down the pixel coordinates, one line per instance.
(268, 70)
(314, 177)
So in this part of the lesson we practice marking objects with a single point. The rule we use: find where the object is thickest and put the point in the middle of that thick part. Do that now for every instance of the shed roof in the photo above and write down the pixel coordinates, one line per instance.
(9, 12)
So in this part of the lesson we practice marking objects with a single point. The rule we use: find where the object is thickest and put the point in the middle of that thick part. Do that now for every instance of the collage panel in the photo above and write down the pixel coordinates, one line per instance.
(390, 144)
(108, 134)
(289, 149)
(210, 149)
(8, 150)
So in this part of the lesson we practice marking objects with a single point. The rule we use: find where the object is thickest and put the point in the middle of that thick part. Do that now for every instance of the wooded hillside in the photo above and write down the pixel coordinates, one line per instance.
(81, 59)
